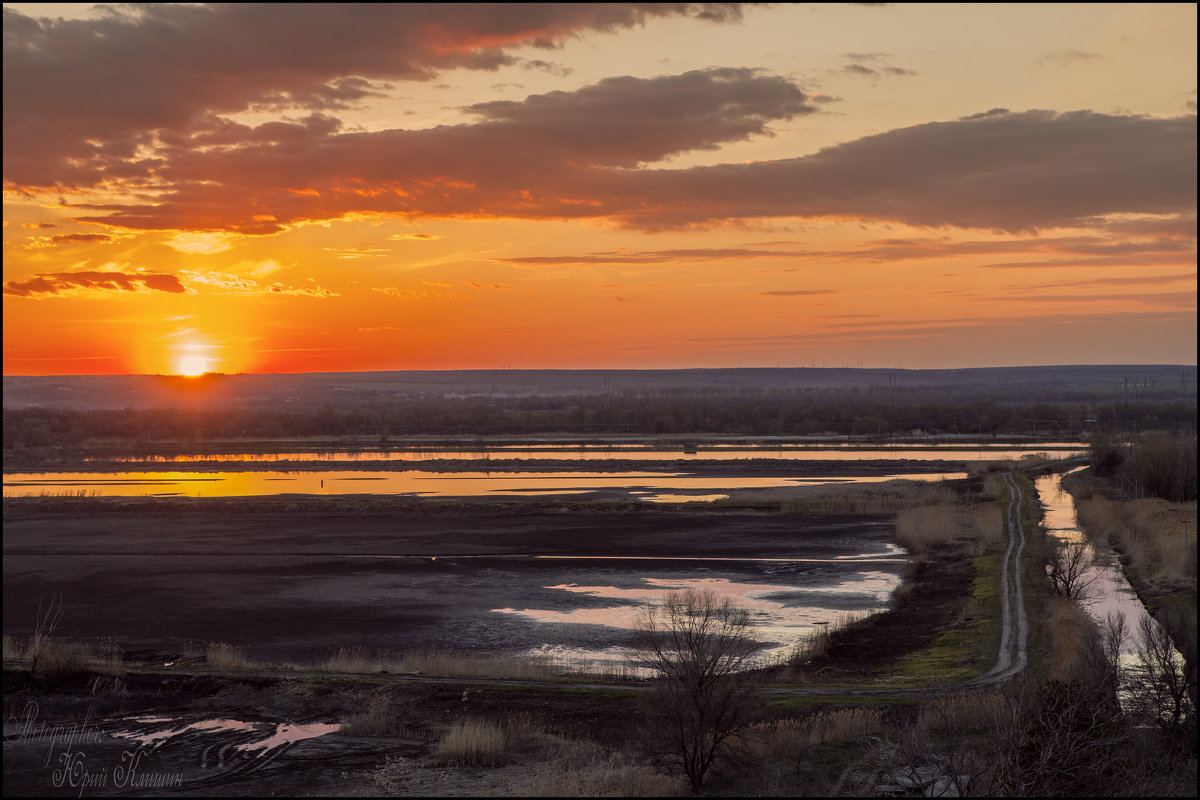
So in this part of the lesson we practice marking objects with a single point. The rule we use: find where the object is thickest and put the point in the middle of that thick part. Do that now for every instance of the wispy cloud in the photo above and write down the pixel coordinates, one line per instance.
(1065, 58)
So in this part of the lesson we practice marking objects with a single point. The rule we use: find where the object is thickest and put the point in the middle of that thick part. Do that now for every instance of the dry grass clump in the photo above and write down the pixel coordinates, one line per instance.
(379, 713)
(1156, 538)
(1100, 516)
(60, 660)
(471, 742)
(440, 663)
(1164, 536)
(1026, 462)
(541, 764)
(962, 713)
(881, 499)
(57, 659)
(375, 719)
(816, 644)
(925, 529)
(569, 767)
(605, 776)
(846, 723)
(13, 648)
(109, 659)
(380, 719)
(451, 664)
(790, 738)
(222, 656)
(354, 660)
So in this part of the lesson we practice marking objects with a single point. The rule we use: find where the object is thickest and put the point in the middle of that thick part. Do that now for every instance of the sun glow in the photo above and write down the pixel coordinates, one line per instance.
(192, 366)
(192, 359)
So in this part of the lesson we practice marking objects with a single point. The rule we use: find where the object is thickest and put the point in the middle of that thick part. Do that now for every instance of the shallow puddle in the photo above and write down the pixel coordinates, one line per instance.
(782, 614)
(258, 738)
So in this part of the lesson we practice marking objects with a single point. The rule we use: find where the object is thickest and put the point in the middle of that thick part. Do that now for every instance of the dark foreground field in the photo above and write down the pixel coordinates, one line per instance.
(293, 582)
(290, 580)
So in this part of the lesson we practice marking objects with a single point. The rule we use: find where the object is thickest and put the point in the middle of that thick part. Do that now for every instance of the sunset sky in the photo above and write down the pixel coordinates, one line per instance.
(328, 187)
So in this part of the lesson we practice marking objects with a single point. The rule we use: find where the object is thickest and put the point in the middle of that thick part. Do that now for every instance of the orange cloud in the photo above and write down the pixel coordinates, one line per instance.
(577, 156)
(60, 283)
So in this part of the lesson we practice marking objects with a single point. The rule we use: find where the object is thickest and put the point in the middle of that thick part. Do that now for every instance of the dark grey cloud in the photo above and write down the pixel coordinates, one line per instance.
(1014, 172)
(139, 101)
(82, 96)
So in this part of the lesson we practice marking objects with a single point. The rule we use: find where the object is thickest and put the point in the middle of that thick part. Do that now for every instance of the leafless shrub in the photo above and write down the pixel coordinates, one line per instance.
(701, 645)
(1063, 738)
(914, 762)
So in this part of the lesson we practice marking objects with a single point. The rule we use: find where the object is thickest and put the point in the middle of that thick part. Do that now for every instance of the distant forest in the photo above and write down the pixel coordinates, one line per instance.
(870, 413)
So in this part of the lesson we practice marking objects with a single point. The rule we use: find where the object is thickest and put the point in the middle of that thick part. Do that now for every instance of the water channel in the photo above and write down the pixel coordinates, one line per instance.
(1109, 592)
(147, 476)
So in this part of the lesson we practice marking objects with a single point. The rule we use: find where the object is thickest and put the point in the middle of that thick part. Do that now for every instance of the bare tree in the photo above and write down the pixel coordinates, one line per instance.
(1069, 569)
(1113, 633)
(1162, 684)
(701, 646)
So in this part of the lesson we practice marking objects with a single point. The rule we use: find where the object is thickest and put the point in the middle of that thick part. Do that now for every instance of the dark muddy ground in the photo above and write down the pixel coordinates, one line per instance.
(291, 579)
(292, 585)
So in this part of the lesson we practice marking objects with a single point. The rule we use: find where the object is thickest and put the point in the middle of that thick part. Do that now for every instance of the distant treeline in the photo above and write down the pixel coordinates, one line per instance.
(1158, 465)
(866, 413)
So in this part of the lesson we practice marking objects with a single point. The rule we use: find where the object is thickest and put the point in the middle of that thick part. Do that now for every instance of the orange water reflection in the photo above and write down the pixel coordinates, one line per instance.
(655, 486)
(1110, 592)
(782, 614)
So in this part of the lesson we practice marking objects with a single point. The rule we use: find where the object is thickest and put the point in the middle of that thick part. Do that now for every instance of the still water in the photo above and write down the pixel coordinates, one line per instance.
(977, 452)
(651, 486)
(783, 612)
(1109, 592)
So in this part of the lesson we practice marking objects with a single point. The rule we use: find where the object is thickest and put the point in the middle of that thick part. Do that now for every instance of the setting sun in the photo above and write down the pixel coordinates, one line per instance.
(193, 365)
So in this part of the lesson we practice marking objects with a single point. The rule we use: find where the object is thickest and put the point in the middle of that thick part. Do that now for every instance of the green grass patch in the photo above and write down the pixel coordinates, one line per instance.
(969, 646)
(807, 703)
